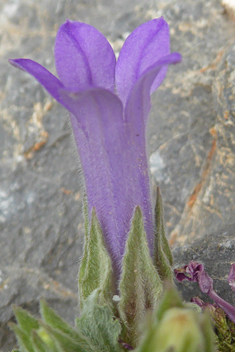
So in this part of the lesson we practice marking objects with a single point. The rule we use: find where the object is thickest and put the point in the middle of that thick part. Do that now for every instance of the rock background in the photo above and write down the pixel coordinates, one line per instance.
(191, 134)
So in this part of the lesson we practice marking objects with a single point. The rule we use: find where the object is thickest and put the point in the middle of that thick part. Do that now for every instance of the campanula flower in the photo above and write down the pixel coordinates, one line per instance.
(109, 103)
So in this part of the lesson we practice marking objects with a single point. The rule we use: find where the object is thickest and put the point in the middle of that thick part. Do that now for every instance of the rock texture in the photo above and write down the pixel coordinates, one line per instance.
(191, 134)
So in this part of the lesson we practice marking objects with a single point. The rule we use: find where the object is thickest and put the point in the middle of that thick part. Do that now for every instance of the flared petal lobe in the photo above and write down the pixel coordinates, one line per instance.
(138, 103)
(84, 58)
(144, 47)
(42, 75)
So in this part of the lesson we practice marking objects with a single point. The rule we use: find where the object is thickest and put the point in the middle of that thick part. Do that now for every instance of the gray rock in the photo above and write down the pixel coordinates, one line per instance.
(191, 136)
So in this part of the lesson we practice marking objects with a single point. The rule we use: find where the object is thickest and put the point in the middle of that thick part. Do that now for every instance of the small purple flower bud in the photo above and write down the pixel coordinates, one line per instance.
(198, 301)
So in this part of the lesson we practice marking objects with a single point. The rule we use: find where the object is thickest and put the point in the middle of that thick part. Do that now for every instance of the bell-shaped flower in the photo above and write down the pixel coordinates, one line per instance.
(109, 103)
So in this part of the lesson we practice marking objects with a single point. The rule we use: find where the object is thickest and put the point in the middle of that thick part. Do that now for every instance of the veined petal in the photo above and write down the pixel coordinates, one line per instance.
(100, 134)
(144, 46)
(84, 58)
(42, 75)
(136, 113)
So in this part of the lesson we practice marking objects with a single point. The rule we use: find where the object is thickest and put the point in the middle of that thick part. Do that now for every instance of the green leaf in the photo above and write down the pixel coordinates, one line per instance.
(51, 318)
(96, 266)
(52, 334)
(140, 285)
(170, 299)
(25, 320)
(38, 344)
(162, 253)
(65, 342)
(98, 324)
(46, 339)
(178, 330)
(23, 338)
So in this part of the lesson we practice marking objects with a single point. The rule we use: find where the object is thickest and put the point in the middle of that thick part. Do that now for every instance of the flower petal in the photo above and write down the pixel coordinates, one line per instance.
(138, 104)
(145, 46)
(227, 307)
(42, 75)
(136, 113)
(84, 58)
(100, 135)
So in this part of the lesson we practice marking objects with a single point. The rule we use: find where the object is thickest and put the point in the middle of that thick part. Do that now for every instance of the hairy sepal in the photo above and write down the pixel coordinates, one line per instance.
(23, 338)
(162, 256)
(96, 267)
(140, 285)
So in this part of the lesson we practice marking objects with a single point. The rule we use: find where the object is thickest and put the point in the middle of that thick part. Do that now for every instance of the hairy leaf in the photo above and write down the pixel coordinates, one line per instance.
(23, 338)
(51, 318)
(99, 325)
(38, 344)
(25, 320)
(66, 343)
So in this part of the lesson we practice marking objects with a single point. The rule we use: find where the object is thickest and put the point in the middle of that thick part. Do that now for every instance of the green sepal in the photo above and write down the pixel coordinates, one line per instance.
(96, 266)
(98, 324)
(140, 285)
(162, 257)
(23, 338)
(83, 264)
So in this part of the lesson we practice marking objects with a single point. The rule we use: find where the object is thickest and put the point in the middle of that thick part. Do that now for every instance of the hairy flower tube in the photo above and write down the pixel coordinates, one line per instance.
(109, 103)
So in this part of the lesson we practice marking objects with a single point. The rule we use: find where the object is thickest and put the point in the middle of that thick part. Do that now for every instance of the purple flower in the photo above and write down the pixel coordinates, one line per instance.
(195, 272)
(109, 103)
